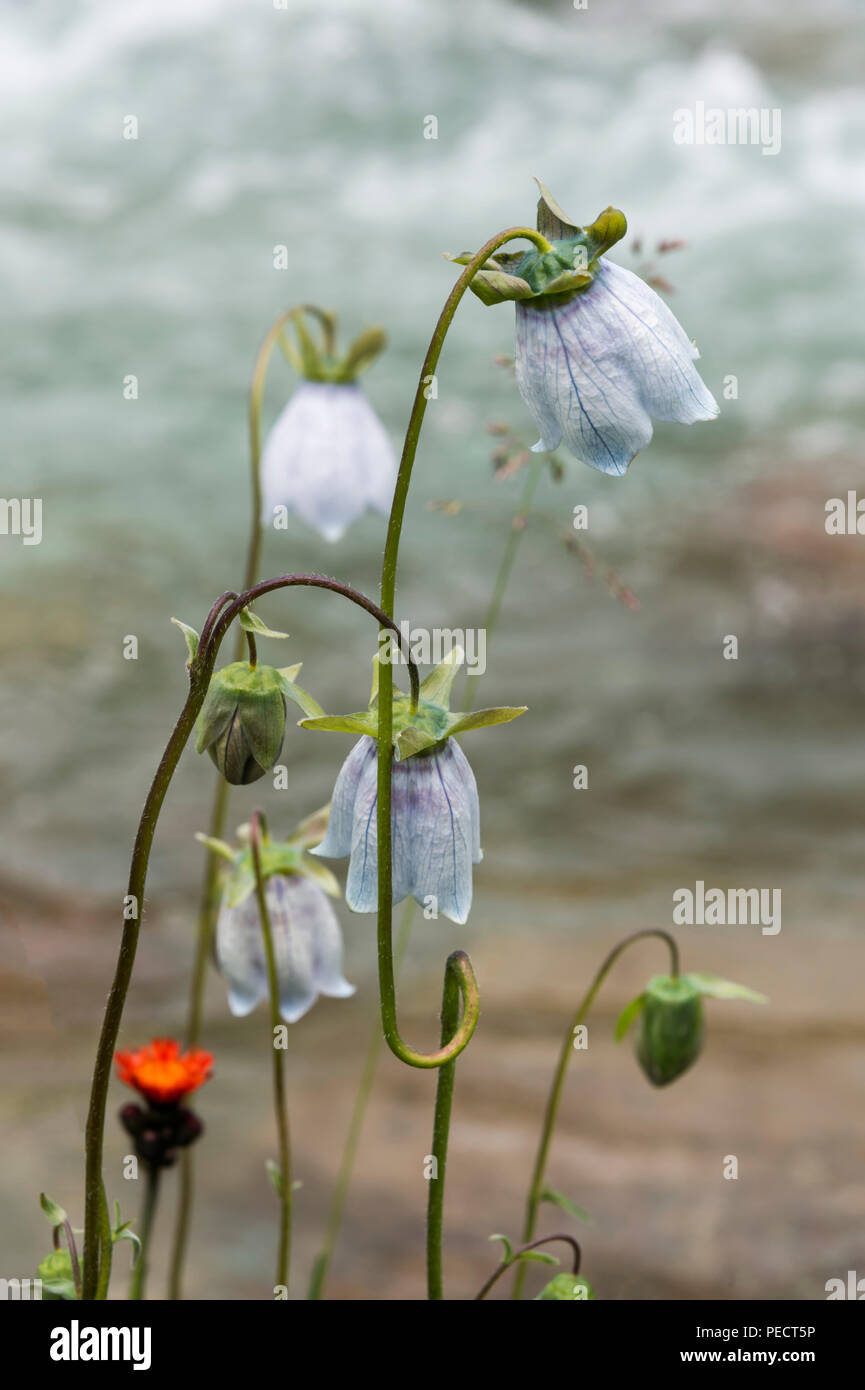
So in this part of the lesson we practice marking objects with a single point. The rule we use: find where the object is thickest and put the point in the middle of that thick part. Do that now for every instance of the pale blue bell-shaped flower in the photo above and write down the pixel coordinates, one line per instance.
(596, 370)
(307, 944)
(328, 459)
(435, 819)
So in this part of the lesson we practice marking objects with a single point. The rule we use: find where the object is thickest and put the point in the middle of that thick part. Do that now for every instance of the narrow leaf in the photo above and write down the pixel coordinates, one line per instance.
(628, 1014)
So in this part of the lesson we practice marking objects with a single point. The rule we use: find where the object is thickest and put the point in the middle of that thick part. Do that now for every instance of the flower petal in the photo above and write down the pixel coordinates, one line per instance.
(328, 458)
(596, 371)
(337, 842)
(240, 955)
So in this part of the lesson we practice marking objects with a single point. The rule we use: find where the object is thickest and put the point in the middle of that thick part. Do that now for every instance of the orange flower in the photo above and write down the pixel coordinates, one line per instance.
(161, 1073)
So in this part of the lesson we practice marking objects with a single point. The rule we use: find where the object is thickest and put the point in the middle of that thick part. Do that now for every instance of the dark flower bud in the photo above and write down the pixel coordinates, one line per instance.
(671, 1028)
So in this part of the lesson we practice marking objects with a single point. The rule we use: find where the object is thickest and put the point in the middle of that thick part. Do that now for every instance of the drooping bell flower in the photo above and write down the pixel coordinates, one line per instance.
(328, 457)
(599, 355)
(307, 940)
(435, 817)
(671, 1027)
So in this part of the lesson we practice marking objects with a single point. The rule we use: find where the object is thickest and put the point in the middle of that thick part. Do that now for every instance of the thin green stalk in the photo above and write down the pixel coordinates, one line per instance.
(148, 1211)
(279, 1102)
(441, 1131)
(209, 901)
(335, 1214)
(536, 1187)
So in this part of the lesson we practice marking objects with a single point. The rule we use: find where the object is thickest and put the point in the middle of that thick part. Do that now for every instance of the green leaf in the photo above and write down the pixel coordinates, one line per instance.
(320, 874)
(482, 718)
(124, 1233)
(55, 1271)
(436, 688)
(363, 351)
(301, 697)
(507, 1249)
(558, 1199)
(192, 639)
(539, 1257)
(628, 1014)
(251, 622)
(712, 987)
(55, 1213)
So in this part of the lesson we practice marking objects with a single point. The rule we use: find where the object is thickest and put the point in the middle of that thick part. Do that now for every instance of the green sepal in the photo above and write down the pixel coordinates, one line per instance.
(58, 1283)
(298, 695)
(413, 740)
(558, 1199)
(359, 723)
(55, 1213)
(436, 687)
(311, 830)
(319, 873)
(498, 287)
(311, 361)
(628, 1014)
(362, 353)
(274, 1173)
(566, 1288)
(216, 846)
(712, 987)
(192, 639)
(507, 1249)
(483, 718)
(262, 718)
(552, 222)
(671, 1029)
(250, 622)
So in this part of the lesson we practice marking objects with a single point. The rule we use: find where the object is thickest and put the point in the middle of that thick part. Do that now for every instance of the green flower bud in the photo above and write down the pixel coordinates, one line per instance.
(671, 1028)
(569, 1287)
(242, 721)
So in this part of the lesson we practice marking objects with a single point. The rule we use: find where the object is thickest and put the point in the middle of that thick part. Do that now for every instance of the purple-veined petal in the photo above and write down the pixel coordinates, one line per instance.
(596, 371)
(340, 826)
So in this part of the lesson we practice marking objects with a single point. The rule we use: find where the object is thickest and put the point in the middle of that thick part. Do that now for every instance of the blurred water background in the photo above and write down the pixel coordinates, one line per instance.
(304, 126)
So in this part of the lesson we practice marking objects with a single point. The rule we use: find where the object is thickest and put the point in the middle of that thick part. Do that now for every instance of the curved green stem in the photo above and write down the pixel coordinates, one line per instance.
(200, 671)
(279, 1101)
(515, 1259)
(373, 1052)
(458, 965)
(536, 1187)
(148, 1211)
(387, 989)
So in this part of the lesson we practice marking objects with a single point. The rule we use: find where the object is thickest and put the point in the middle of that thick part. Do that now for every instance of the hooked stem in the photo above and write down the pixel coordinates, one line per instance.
(536, 1187)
